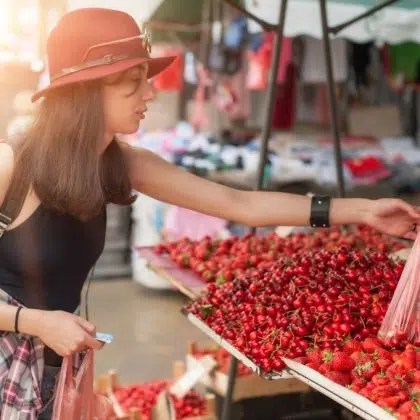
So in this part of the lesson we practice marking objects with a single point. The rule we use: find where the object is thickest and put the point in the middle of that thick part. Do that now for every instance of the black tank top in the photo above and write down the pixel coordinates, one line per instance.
(45, 260)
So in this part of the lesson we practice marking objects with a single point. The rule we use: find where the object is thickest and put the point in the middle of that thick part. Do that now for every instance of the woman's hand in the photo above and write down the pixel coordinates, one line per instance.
(64, 332)
(393, 217)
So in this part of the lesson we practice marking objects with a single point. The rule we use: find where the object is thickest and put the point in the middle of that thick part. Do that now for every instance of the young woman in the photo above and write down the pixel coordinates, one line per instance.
(99, 64)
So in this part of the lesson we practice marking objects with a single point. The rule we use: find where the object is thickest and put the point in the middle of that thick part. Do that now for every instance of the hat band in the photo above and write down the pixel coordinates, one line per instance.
(106, 60)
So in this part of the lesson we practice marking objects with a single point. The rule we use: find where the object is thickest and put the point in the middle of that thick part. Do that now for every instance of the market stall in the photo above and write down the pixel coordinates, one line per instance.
(236, 270)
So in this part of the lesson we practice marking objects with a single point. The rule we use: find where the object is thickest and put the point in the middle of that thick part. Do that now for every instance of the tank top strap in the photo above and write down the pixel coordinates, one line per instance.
(15, 197)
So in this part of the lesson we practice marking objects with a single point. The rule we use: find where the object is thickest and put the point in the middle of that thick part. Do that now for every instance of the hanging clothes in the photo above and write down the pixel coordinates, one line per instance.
(313, 66)
(284, 112)
(405, 60)
(232, 95)
(199, 118)
(260, 62)
(190, 74)
(172, 78)
(360, 62)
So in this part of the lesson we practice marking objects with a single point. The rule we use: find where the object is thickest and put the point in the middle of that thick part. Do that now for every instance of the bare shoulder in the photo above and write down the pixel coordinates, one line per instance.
(6, 168)
(135, 155)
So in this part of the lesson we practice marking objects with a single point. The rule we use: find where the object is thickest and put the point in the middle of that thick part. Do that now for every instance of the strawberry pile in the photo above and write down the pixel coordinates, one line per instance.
(222, 358)
(308, 300)
(144, 397)
(388, 377)
(221, 261)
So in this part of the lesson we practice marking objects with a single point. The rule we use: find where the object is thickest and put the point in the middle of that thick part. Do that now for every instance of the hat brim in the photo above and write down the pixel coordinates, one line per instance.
(156, 65)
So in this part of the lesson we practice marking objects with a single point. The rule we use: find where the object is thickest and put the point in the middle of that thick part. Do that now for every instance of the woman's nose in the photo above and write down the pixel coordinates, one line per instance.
(150, 93)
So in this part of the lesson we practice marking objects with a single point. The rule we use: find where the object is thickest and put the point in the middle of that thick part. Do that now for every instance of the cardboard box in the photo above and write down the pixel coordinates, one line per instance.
(249, 386)
(183, 382)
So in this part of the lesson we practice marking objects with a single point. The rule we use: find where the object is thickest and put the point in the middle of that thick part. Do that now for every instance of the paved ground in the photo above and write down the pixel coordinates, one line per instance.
(150, 332)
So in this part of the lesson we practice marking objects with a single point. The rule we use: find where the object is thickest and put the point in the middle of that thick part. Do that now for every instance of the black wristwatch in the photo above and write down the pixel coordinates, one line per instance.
(320, 211)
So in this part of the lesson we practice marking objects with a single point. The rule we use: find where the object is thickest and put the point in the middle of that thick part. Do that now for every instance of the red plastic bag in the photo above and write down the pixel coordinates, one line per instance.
(402, 320)
(75, 398)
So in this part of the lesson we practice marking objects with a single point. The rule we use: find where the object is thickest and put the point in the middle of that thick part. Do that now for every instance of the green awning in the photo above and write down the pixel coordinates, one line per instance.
(180, 11)
(396, 23)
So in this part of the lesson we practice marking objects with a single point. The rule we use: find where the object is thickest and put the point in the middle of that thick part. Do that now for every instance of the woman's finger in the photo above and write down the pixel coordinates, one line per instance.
(410, 235)
(414, 212)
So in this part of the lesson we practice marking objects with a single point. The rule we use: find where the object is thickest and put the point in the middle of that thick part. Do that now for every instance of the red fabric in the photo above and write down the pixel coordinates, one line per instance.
(75, 398)
(386, 59)
(364, 166)
(260, 61)
(257, 78)
(284, 112)
(172, 78)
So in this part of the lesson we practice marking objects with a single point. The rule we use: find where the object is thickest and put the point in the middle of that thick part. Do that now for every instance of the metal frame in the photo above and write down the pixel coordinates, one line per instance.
(279, 29)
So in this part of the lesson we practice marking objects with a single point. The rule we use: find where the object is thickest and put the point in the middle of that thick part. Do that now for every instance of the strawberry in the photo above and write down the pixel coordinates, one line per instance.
(359, 383)
(382, 354)
(325, 368)
(384, 364)
(339, 378)
(414, 391)
(409, 410)
(416, 376)
(406, 408)
(342, 362)
(313, 365)
(327, 356)
(314, 356)
(361, 357)
(371, 344)
(408, 358)
(389, 402)
(396, 355)
(357, 386)
(380, 379)
(368, 370)
(382, 391)
(367, 390)
(403, 396)
(351, 346)
(399, 370)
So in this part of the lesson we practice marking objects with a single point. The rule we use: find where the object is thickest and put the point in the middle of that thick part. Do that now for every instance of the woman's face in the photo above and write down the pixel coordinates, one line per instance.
(125, 97)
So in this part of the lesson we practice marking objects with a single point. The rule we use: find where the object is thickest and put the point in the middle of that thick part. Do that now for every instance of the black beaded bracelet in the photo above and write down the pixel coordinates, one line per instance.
(17, 320)
(320, 211)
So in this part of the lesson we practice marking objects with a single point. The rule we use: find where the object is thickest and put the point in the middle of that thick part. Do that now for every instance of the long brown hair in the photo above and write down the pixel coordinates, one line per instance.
(61, 153)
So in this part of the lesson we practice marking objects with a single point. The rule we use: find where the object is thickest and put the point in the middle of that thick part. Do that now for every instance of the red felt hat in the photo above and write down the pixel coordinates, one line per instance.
(92, 43)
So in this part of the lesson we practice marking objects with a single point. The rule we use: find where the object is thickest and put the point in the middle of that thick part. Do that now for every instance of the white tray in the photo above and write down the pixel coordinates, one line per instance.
(349, 399)
(234, 352)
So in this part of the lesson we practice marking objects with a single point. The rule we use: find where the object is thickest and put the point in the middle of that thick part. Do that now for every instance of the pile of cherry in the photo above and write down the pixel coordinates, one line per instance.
(388, 377)
(144, 397)
(309, 300)
(219, 261)
(316, 308)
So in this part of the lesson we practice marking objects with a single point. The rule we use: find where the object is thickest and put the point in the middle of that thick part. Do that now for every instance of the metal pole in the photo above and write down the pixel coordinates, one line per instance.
(271, 94)
(332, 99)
(227, 403)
